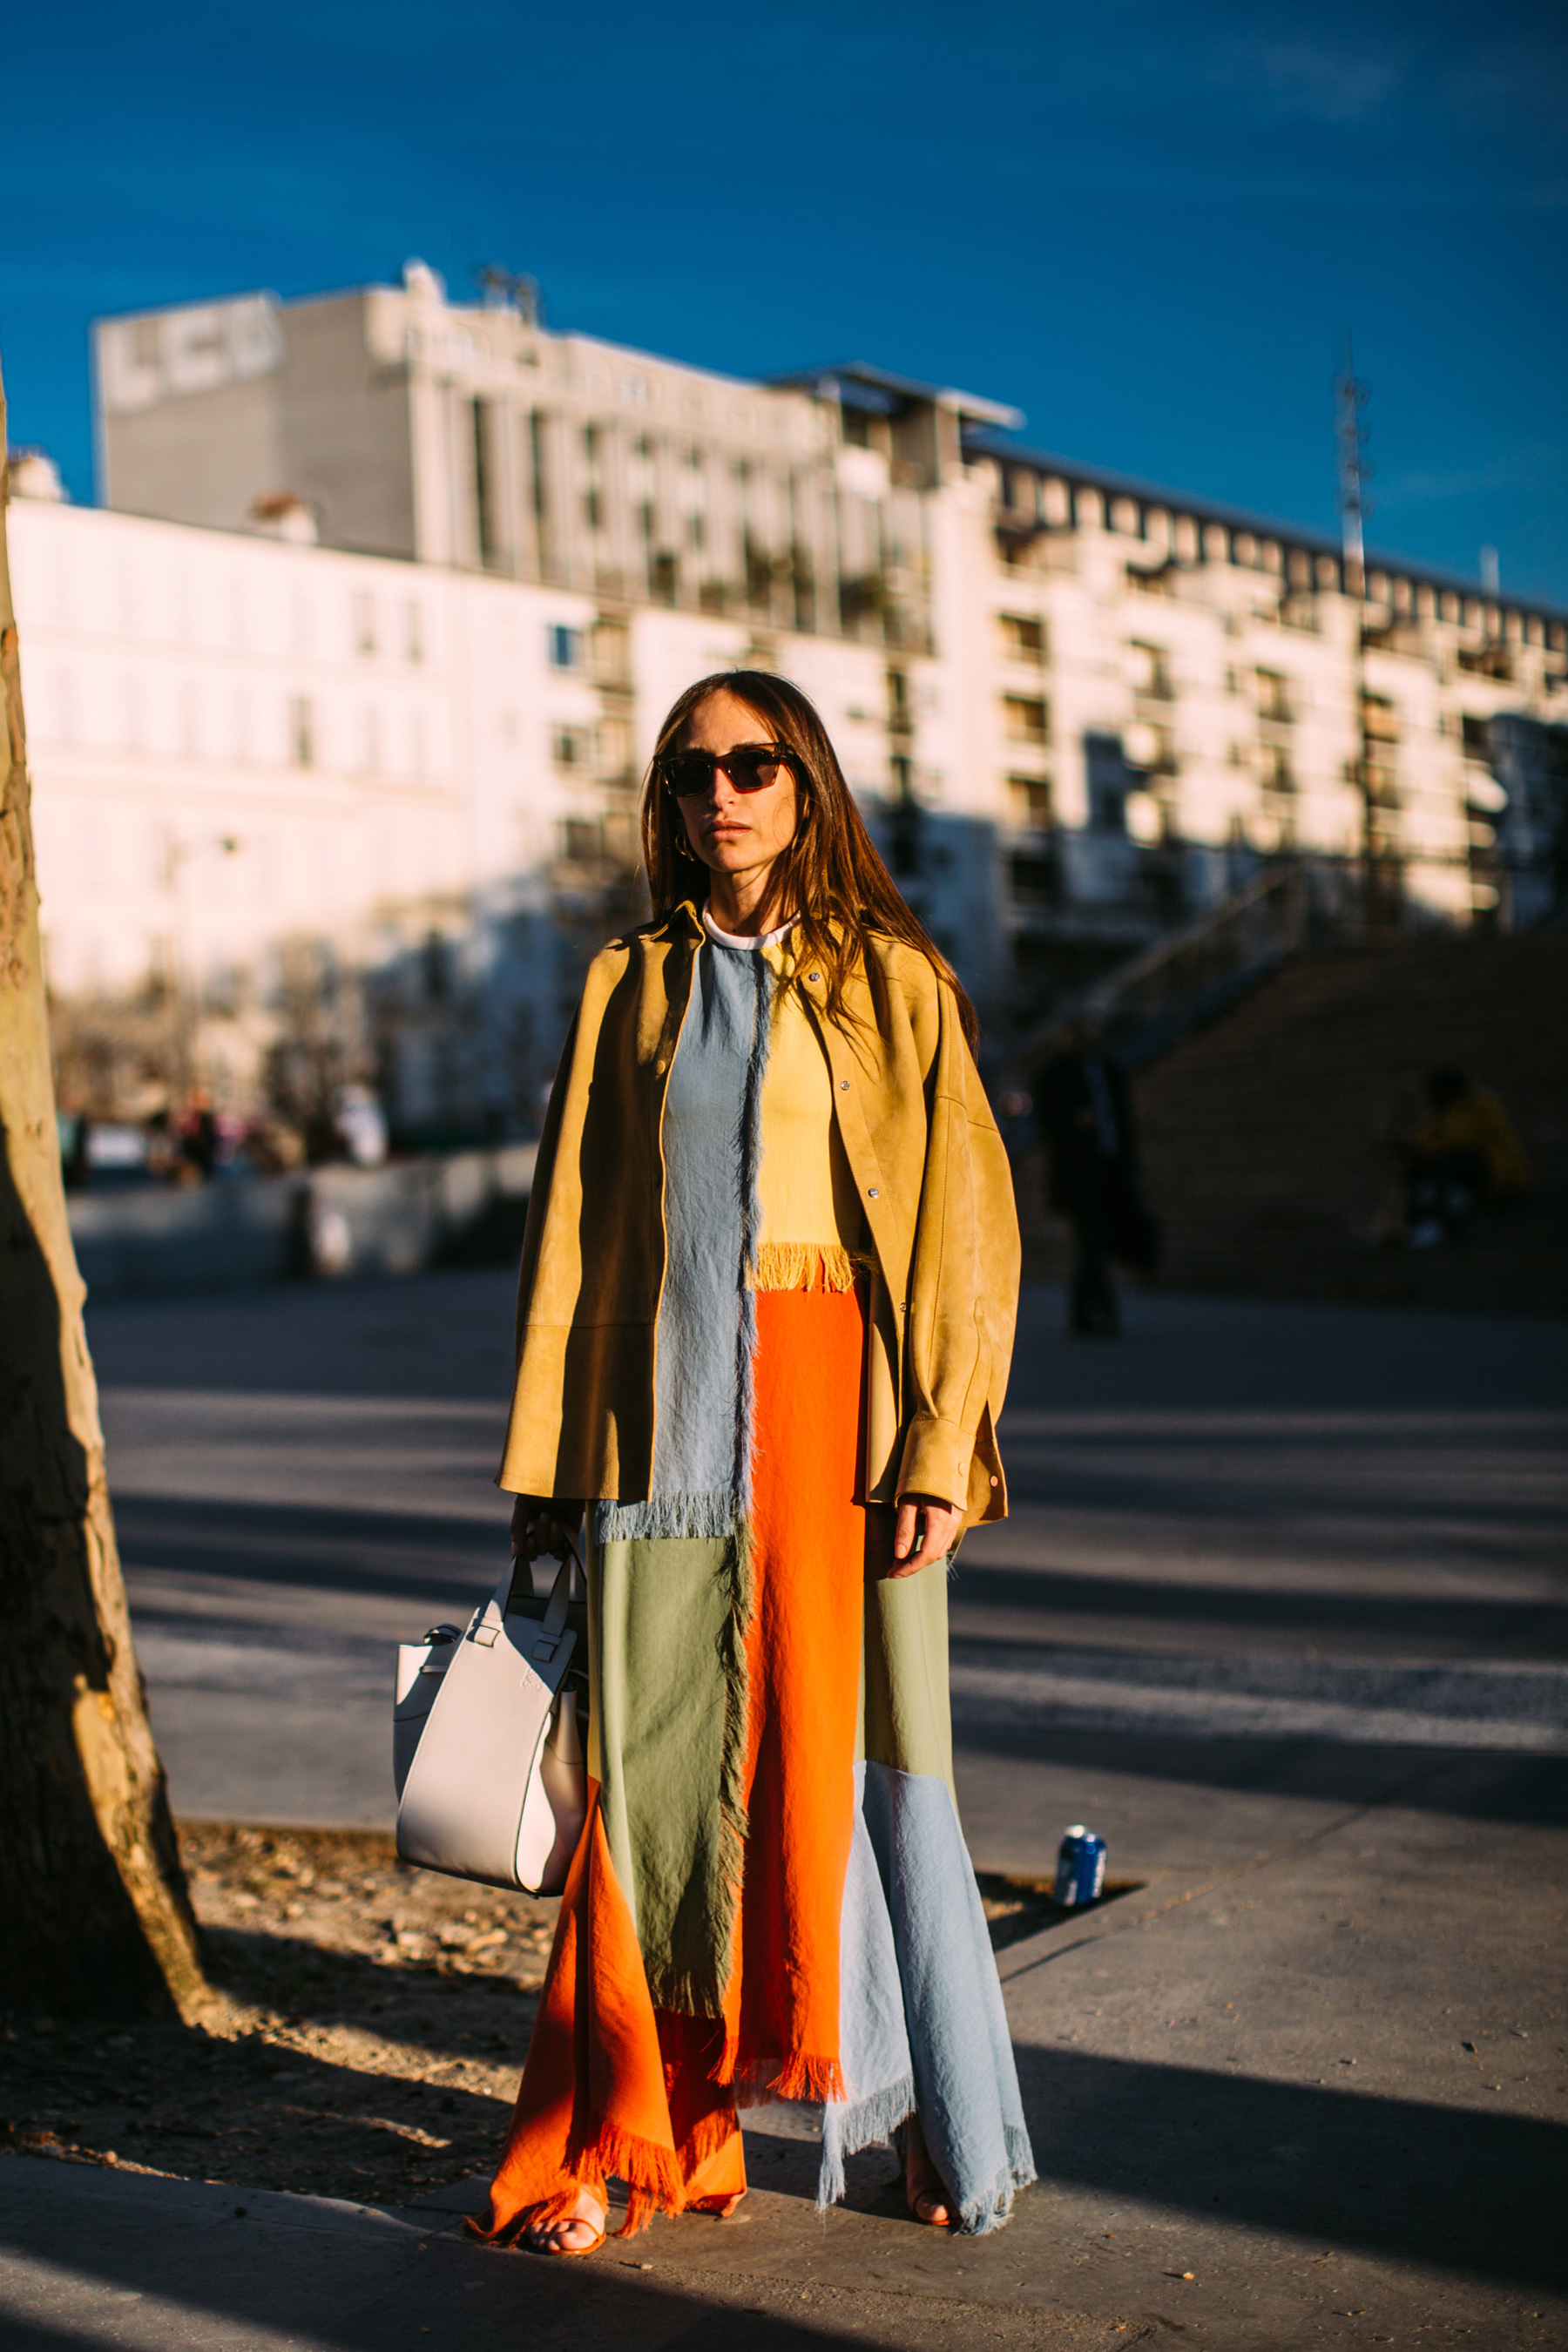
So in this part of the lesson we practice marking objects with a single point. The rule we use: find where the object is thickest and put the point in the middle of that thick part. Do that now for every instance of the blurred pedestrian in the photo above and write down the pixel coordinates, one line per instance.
(1084, 1107)
(1462, 1157)
(361, 1124)
(765, 1316)
(199, 1137)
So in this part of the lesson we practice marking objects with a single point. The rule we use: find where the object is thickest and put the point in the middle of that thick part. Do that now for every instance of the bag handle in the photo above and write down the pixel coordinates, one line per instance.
(560, 1594)
(554, 1617)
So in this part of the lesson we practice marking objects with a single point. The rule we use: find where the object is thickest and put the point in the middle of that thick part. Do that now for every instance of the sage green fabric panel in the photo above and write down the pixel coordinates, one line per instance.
(658, 1620)
(906, 1718)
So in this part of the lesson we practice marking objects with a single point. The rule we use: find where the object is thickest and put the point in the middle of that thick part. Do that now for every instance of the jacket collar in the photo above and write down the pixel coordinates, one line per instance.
(682, 921)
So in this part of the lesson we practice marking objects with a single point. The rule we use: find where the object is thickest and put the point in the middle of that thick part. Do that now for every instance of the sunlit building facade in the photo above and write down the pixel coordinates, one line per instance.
(370, 640)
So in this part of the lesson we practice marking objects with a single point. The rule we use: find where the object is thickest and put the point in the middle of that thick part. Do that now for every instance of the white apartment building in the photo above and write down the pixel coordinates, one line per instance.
(242, 745)
(373, 643)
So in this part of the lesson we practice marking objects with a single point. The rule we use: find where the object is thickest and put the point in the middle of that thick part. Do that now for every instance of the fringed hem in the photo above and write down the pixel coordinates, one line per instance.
(854, 2124)
(683, 1993)
(994, 2207)
(666, 1518)
(763, 2081)
(653, 2174)
(656, 2180)
(806, 1265)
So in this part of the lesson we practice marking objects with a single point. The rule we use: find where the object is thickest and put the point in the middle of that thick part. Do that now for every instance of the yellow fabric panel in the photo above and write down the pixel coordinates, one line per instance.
(808, 1194)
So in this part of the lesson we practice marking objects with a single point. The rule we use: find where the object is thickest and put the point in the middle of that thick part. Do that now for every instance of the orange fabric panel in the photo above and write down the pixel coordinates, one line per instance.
(808, 1537)
(609, 2087)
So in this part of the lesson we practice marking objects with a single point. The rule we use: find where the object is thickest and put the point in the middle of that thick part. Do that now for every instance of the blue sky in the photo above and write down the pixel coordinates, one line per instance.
(1145, 224)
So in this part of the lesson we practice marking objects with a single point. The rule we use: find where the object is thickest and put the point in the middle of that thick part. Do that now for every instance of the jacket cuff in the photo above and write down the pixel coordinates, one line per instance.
(937, 1455)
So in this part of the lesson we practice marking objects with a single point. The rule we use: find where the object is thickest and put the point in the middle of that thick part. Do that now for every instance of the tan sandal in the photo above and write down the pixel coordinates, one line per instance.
(544, 2223)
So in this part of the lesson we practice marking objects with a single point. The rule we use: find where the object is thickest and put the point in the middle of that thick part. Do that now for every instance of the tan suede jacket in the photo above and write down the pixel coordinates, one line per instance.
(933, 1180)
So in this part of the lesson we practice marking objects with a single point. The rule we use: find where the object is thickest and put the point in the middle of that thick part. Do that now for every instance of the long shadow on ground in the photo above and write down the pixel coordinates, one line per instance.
(1463, 2191)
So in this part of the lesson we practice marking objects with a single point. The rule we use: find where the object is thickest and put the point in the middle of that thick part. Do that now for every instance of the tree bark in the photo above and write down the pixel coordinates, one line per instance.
(94, 1915)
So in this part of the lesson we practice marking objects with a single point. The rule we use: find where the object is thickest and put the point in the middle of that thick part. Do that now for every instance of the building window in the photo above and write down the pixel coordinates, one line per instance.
(413, 634)
(302, 732)
(1022, 635)
(1151, 749)
(1379, 721)
(1030, 800)
(581, 840)
(564, 646)
(572, 748)
(1273, 695)
(1274, 768)
(611, 649)
(1150, 672)
(615, 748)
(364, 623)
(664, 576)
(1023, 717)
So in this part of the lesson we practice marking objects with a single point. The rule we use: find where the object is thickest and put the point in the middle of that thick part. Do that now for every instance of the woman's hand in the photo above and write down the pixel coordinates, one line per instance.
(543, 1527)
(927, 1529)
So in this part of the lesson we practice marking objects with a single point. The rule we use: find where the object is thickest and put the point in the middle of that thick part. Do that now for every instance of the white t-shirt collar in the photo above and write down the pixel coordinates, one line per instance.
(728, 938)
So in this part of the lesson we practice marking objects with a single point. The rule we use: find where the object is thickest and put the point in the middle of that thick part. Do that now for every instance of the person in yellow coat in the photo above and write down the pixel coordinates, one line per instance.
(1464, 1156)
(765, 1323)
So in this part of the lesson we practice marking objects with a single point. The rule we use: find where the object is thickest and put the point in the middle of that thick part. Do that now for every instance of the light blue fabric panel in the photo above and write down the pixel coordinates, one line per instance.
(702, 1385)
(873, 2041)
(966, 2085)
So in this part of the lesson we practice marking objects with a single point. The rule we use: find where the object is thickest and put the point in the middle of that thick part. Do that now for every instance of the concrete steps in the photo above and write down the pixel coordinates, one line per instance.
(1265, 1136)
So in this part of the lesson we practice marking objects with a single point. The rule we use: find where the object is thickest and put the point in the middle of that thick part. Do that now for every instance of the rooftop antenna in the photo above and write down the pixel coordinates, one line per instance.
(1351, 396)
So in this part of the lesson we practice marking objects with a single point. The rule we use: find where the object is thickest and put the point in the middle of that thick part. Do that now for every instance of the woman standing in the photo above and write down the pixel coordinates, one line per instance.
(765, 1320)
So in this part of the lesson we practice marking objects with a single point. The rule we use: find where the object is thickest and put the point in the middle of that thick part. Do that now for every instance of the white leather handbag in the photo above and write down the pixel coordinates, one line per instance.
(488, 1764)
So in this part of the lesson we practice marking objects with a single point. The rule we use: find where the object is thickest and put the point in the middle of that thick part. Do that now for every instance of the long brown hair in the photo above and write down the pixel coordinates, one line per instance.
(830, 877)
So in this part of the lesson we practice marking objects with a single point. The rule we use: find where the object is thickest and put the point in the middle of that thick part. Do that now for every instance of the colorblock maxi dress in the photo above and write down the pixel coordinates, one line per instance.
(772, 1898)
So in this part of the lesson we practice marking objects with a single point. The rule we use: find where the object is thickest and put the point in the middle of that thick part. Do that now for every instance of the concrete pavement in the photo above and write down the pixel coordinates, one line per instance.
(1281, 1609)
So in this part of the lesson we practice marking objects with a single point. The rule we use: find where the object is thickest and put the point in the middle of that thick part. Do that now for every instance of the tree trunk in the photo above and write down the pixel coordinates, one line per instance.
(94, 1915)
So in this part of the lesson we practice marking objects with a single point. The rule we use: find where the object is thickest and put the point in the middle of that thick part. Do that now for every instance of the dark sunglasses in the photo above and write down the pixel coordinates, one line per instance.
(750, 770)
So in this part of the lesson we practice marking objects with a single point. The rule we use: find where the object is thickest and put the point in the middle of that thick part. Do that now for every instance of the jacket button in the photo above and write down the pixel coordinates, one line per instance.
(996, 1481)
(874, 1194)
(843, 1085)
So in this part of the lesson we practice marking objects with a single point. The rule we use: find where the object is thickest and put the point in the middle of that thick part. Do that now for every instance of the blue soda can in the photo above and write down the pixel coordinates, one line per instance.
(1080, 1867)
